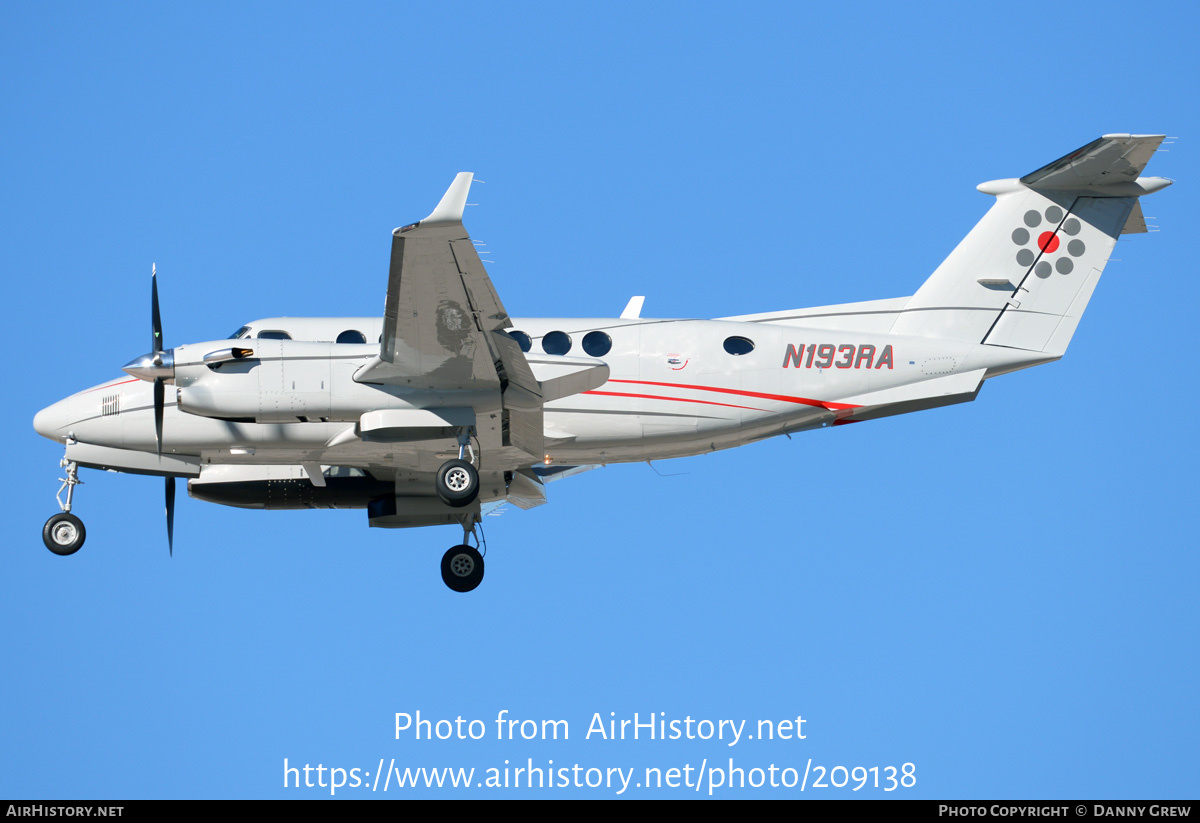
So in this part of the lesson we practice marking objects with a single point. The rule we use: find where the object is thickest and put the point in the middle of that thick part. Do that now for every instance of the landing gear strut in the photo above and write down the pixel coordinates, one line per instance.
(63, 533)
(462, 566)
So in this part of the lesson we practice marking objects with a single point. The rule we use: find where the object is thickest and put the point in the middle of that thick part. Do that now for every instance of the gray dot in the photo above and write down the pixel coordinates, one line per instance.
(1025, 258)
(1020, 237)
(1071, 227)
(1064, 265)
(1076, 248)
(1042, 269)
(1032, 218)
(1054, 214)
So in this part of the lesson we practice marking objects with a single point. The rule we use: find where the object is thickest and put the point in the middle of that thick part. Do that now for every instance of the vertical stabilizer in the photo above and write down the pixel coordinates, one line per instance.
(1023, 276)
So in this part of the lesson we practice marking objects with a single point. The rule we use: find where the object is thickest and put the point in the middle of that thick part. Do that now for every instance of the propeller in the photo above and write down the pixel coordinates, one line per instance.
(170, 514)
(156, 354)
(157, 367)
(159, 402)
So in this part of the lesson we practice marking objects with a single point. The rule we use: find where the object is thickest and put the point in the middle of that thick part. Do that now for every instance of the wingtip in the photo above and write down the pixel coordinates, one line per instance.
(450, 208)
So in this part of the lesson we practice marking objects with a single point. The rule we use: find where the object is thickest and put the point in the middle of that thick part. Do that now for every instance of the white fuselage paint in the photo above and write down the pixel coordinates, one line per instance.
(673, 390)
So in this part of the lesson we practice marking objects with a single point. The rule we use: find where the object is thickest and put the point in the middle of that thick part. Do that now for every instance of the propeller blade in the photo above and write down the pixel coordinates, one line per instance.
(155, 319)
(159, 388)
(159, 391)
(171, 514)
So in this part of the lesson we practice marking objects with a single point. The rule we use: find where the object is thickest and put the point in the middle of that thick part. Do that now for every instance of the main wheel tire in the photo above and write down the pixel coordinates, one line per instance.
(457, 483)
(63, 534)
(462, 568)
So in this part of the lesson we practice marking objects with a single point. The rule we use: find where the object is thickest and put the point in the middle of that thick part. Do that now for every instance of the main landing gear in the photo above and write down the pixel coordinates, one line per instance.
(462, 566)
(457, 481)
(63, 533)
(457, 485)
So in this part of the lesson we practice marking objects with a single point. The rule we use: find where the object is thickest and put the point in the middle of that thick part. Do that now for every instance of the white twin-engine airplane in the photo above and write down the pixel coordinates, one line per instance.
(446, 408)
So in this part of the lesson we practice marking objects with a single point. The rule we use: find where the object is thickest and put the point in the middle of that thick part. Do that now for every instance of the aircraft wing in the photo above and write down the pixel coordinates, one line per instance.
(441, 309)
(443, 323)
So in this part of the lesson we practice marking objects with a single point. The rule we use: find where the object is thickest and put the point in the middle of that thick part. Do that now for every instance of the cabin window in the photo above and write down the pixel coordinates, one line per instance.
(739, 345)
(351, 336)
(522, 339)
(556, 342)
(274, 335)
(597, 343)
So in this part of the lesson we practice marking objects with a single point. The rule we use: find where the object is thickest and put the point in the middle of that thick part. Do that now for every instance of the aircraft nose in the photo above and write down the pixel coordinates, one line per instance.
(52, 421)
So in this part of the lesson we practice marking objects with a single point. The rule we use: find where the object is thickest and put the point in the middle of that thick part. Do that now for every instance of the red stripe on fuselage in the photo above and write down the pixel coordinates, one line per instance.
(110, 385)
(804, 401)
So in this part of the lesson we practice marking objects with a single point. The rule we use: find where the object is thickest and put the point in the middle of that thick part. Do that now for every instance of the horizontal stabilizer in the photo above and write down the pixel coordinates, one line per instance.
(1113, 158)
(561, 376)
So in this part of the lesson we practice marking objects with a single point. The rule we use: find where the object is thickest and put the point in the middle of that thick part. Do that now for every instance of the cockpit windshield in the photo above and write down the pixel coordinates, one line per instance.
(242, 332)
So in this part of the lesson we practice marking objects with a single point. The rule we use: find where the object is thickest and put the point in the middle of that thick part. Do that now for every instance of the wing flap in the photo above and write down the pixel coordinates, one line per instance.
(517, 381)
(525, 431)
(526, 490)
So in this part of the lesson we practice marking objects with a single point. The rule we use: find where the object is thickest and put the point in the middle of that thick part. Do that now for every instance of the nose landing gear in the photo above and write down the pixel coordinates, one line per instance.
(63, 533)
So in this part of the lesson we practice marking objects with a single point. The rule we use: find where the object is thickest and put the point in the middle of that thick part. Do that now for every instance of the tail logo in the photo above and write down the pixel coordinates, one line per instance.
(1048, 242)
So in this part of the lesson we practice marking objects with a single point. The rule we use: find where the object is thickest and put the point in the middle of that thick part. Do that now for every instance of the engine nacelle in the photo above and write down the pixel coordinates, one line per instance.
(278, 381)
(290, 381)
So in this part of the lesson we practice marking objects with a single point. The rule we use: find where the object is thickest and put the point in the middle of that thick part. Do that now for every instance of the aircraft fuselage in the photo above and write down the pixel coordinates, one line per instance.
(674, 389)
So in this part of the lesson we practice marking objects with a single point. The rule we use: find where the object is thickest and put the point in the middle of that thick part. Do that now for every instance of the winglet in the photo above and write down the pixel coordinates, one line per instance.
(450, 209)
(633, 309)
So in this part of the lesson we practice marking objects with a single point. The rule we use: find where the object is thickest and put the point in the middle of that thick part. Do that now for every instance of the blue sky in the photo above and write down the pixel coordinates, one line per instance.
(1001, 593)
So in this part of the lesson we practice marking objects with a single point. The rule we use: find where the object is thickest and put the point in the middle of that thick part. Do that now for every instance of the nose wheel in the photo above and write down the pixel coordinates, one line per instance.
(63, 533)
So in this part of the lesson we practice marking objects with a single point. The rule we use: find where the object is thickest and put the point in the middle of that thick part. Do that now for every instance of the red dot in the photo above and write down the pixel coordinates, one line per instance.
(1048, 242)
